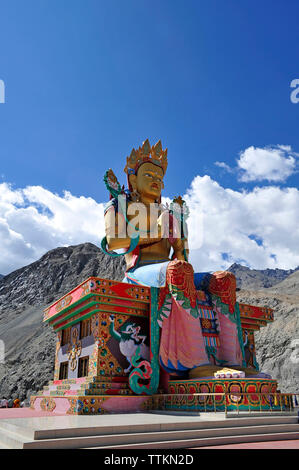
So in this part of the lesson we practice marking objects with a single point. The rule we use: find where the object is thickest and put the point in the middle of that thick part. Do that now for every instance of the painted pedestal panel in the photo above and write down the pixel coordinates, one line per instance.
(209, 394)
(119, 323)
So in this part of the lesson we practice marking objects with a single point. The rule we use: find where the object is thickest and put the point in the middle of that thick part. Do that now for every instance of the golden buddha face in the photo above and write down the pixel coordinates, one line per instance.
(149, 181)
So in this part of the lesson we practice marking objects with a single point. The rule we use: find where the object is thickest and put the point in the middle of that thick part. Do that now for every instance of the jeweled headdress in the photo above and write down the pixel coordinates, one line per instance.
(146, 153)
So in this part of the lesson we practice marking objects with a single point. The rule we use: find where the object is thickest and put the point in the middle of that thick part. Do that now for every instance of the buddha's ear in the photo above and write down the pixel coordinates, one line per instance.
(162, 186)
(133, 181)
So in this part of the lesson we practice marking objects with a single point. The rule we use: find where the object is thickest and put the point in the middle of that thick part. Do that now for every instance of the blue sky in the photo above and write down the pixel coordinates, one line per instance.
(85, 81)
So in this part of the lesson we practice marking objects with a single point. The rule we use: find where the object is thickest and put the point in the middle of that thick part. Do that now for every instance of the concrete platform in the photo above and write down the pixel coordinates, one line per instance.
(144, 431)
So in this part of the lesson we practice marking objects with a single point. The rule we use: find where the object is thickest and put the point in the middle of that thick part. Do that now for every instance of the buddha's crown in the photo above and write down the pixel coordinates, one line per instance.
(146, 153)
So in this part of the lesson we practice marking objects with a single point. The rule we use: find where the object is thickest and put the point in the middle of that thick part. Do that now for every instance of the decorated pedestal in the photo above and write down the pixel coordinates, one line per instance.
(99, 325)
(245, 389)
(244, 394)
(102, 324)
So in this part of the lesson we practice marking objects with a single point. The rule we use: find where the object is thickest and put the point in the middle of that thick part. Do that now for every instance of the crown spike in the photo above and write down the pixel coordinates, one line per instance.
(133, 156)
(146, 147)
(158, 148)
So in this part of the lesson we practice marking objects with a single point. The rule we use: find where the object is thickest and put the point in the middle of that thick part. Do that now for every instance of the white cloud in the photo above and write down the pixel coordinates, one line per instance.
(274, 164)
(34, 220)
(258, 227)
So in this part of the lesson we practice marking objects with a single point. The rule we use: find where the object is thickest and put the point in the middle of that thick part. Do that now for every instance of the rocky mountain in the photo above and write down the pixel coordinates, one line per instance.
(289, 286)
(30, 345)
(258, 279)
(276, 343)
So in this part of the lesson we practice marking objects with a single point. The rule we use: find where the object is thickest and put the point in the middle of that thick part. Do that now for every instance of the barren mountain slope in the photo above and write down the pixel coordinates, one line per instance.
(255, 279)
(276, 343)
(29, 344)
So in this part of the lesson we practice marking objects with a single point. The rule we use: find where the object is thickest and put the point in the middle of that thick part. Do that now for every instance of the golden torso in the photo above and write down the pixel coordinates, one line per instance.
(157, 251)
(152, 250)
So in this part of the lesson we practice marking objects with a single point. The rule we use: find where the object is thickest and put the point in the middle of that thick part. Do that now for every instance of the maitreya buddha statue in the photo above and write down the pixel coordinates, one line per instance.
(155, 247)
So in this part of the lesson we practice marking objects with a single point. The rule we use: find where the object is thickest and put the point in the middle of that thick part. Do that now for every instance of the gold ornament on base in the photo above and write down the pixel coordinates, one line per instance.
(74, 349)
(227, 373)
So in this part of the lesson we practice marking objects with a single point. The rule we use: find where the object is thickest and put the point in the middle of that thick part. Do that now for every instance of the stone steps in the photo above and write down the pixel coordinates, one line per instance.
(88, 393)
(103, 391)
(185, 434)
(102, 385)
(13, 438)
(203, 442)
(86, 389)
(91, 379)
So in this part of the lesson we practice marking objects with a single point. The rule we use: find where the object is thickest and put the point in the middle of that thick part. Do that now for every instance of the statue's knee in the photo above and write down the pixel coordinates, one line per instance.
(178, 270)
(223, 284)
(179, 266)
(225, 277)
